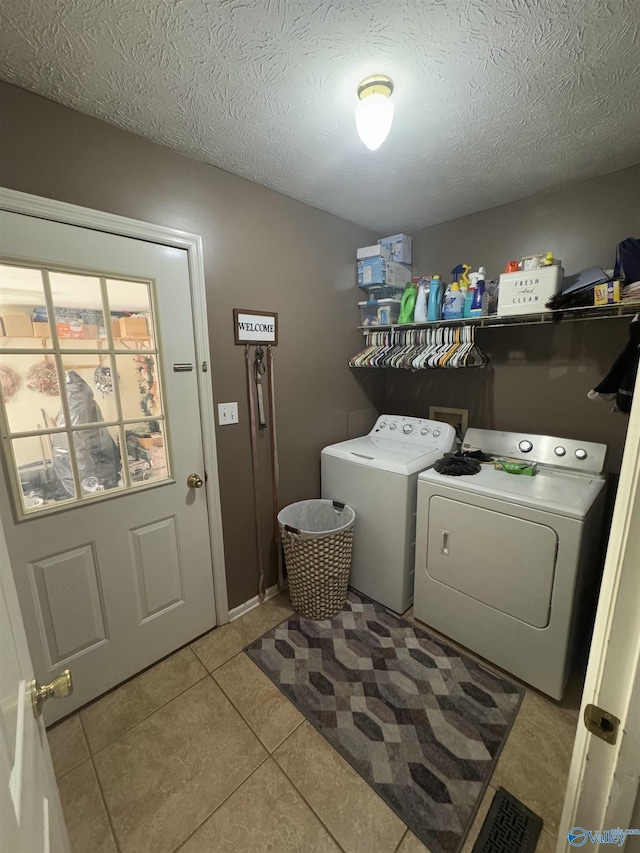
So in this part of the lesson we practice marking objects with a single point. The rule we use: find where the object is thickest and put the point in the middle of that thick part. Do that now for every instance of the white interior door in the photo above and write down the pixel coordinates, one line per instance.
(101, 429)
(603, 791)
(30, 813)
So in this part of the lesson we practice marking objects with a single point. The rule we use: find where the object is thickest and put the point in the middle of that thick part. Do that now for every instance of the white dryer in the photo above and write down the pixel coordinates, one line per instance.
(377, 475)
(505, 563)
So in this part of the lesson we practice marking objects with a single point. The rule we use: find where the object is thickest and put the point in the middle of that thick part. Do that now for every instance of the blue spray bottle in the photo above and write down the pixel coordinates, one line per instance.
(454, 297)
(435, 299)
(476, 302)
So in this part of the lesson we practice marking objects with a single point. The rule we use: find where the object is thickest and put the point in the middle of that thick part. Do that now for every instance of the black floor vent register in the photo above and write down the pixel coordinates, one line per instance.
(509, 827)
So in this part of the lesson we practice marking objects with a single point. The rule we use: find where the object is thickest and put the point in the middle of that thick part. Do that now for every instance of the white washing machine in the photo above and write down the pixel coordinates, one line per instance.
(377, 476)
(505, 563)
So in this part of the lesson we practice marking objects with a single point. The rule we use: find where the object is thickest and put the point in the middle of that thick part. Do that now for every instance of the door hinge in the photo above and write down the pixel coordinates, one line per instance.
(601, 723)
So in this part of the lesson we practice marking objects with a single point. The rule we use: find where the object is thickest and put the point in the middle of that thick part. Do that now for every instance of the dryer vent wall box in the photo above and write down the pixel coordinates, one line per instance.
(507, 565)
(376, 475)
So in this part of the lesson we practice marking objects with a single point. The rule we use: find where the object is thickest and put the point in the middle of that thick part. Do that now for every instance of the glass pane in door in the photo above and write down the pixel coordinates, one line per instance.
(131, 314)
(98, 459)
(30, 388)
(139, 386)
(77, 303)
(44, 470)
(89, 388)
(146, 452)
(21, 292)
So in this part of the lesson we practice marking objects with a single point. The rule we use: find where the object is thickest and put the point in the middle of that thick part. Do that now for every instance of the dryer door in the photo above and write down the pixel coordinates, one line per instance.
(505, 562)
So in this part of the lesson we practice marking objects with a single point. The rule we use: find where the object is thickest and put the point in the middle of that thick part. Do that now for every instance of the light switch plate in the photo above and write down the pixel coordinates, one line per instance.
(227, 413)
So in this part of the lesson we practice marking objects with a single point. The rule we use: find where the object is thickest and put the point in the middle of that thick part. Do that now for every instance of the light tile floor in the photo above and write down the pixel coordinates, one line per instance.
(201, 753)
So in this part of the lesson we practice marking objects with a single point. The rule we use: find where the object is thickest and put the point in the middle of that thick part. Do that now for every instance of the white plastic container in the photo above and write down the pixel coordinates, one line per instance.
(422, 301)
(377, 270)
(399, 245)
(377, 251)
(379, 312)
(527, 292)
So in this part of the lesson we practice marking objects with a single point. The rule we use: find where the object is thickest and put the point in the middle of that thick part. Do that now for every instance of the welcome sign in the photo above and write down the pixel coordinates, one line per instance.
(255, 327)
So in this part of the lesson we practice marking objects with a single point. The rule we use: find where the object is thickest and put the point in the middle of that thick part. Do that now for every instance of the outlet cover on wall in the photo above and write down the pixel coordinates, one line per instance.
(227, 413)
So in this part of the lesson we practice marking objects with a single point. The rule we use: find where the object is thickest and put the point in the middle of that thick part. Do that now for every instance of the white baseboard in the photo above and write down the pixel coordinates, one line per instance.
(241, 609)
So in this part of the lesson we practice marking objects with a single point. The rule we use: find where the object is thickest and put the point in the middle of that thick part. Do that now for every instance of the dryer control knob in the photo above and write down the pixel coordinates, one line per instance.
(407, 428)
(559, 450)
(525, 446)
(393, 426)
(424, 431)
(581, 453)
(383, 424)
(436, 433)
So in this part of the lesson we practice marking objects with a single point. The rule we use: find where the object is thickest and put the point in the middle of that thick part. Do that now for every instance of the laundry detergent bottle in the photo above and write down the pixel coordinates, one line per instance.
(478, 294)
(435, 299)
(408, 303)
(420, 313)
(453, 305)
(468, 297)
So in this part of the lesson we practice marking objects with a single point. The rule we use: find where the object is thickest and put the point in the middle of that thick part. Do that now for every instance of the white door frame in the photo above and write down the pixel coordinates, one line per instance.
(72, 214)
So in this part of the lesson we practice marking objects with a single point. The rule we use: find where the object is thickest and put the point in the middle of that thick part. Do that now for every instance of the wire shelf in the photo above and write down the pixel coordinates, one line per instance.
(620, 309)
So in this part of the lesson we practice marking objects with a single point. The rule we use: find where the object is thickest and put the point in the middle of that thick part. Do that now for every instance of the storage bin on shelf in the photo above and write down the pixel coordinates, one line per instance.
(379, 312)
(383, 291)
(317, 537)
(528, 291)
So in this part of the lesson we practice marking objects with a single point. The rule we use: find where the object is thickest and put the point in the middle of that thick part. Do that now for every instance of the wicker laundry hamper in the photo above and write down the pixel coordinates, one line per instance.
(317, 537)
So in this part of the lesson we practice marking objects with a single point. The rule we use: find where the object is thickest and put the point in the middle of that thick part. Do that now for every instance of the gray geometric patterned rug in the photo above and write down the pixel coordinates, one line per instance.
(420, 721)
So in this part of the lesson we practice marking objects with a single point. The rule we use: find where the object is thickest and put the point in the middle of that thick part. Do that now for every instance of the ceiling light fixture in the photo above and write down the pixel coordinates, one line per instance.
(374, 111)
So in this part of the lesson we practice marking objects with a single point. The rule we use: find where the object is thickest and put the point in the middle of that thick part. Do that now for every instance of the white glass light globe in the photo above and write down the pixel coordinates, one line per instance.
(374, 115)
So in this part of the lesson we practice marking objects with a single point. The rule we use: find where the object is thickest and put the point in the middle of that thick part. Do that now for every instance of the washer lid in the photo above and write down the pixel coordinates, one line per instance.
(566, 494)
(398, 457)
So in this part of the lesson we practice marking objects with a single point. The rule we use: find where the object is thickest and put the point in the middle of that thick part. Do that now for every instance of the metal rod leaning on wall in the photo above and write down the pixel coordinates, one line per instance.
(255, 470)
(275, 465)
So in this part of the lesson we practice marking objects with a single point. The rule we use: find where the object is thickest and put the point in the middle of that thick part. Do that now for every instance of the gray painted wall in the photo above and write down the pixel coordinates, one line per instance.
(262, 251)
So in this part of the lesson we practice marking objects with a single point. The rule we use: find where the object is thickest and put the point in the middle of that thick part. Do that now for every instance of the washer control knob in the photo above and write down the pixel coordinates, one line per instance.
(581, 453)
(424, 431)
(525, 446)
(393, 426)
(407, 428)
(559, 450)
(383, 424)
(436, 433)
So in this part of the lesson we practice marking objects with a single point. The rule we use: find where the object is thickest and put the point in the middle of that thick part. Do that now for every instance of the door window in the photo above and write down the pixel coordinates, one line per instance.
(81, 387)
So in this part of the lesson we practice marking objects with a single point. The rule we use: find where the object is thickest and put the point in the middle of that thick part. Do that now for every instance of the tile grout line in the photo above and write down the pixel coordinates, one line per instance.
(86, 743)
(102, 796)
(221, 803)
(142, 719)
(133, 678)
(268, 756)
(235, 654)
(402, 838)
(236, 708)
(308, 804)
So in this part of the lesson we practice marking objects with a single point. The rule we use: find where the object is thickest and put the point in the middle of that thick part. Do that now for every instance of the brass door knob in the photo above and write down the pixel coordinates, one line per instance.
(194, 481)
(60, 687)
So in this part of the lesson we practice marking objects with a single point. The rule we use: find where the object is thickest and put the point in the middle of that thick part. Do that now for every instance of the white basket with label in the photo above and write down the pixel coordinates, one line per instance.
(528, 291)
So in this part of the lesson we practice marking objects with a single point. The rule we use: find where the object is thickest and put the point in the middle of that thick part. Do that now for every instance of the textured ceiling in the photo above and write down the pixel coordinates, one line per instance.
(495, 99)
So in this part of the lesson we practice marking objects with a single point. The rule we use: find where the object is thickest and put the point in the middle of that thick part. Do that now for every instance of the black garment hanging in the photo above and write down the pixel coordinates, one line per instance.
(619, 382)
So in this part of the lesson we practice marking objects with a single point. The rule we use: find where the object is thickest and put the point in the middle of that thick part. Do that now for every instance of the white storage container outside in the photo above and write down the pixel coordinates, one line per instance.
(528, 291)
